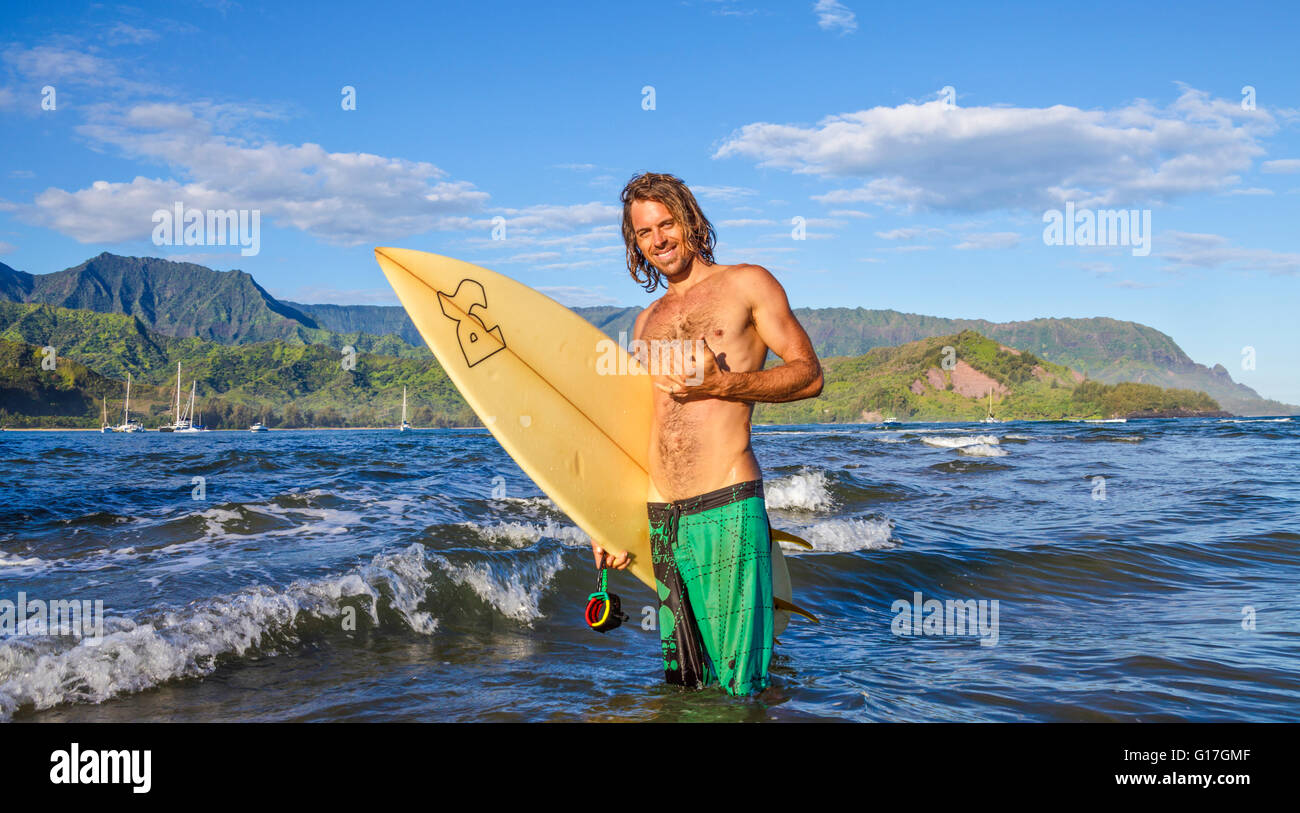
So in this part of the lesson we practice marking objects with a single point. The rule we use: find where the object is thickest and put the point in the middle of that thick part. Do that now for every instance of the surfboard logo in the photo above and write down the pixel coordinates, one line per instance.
(472, 332)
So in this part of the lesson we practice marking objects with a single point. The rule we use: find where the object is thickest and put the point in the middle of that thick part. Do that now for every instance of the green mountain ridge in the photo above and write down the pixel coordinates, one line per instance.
(286, 384)
(923, 381)
(1109, 350)
(184, 300)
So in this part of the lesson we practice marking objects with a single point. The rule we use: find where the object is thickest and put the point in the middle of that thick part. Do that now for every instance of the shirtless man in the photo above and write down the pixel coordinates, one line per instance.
(708, 521)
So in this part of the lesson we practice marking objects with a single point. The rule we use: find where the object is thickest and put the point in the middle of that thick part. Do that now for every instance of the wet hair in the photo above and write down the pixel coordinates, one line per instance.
(697, 232)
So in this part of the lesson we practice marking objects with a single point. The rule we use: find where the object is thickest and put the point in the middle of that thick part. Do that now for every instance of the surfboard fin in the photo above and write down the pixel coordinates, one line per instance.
(786, 536)
(791, 607)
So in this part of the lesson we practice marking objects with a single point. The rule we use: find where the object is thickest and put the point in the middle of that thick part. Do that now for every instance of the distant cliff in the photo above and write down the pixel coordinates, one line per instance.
(950, 378)
(187, 300)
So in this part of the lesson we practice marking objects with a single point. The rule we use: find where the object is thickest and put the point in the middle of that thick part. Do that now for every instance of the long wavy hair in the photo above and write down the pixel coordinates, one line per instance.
(697, 231)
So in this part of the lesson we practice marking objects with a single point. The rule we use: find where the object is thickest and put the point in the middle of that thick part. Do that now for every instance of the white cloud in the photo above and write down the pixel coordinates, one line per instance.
(555, 216)
(576, 297)
(746, 222)
(991, 240)
(1190, 250)
(911, 233)
(930, 156)
(1282, 166)
(1100, 267)
(63, 66)
(123, 34)
(722, 193)
(532, 257)
(342, 198)
(834, 16)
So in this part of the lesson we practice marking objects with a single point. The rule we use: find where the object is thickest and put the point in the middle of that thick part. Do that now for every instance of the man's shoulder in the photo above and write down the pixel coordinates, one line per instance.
(747, 272)
(749, 277)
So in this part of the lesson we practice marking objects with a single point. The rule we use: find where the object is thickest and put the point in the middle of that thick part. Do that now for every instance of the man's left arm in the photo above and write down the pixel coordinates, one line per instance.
(799, 377)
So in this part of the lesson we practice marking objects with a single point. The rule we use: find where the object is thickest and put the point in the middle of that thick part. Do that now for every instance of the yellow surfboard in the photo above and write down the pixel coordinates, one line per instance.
(571, 407)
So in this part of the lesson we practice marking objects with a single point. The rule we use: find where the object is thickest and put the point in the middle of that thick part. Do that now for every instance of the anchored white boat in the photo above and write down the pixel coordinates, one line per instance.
(186, 424)
(989, 418)
(405, 427)
(177, 422)
(257, 427)
(127, 424)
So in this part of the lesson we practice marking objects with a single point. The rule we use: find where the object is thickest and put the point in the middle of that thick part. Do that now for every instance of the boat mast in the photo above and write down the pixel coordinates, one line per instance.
(126, 405)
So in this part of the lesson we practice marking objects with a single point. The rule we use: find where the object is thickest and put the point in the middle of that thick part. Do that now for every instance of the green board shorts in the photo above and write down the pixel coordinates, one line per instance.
(713, 571)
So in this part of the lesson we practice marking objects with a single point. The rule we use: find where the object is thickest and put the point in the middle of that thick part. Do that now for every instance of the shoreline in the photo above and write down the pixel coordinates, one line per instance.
(756, 425)
(268, 431)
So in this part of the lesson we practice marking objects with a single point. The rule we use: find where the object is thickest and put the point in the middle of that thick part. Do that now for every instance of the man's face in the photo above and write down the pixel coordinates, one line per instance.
(659, 237)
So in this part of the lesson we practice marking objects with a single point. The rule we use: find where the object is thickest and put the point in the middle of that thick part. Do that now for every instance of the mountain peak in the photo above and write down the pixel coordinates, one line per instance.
(179, 299)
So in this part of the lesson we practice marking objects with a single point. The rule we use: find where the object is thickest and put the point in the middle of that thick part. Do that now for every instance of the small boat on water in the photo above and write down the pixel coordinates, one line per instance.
(127, 424)
(989, 418)
(257, 427)
(186, 425)
(405, 427)
(176, 404)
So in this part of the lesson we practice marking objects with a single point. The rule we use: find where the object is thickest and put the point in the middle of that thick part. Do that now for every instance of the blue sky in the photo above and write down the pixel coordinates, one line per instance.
(911, 196)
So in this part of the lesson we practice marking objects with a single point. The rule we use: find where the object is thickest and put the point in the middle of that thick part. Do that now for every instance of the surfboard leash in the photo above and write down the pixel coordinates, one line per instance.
(604, 610)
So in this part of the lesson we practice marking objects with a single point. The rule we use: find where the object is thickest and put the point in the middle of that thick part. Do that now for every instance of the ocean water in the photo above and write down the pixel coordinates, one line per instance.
(1145, 571)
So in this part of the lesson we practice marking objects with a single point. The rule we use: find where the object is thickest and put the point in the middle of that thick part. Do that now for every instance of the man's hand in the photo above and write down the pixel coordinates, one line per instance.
(606, 559)
(707, 381)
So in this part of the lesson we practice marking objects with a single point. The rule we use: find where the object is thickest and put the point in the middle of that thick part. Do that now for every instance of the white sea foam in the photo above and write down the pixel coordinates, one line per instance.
(523, 534)
(809, 490)
(982, 450)
(531, 502)
(959, 442)
(1254, 420)
(135, 655)
(847, 535)
(6, 561)
(513, 586)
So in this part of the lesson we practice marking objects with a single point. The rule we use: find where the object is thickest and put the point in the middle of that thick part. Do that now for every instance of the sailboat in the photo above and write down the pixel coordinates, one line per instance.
(103, 419)
(405, 426)
(186, 424)
(176, 405)
(127, 424)
(989, 418)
